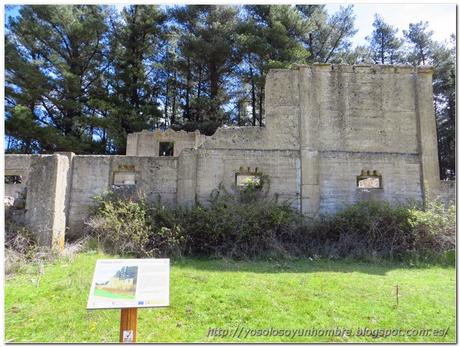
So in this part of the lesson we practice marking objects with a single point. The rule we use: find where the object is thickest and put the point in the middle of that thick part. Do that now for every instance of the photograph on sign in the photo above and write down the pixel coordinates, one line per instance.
(120, 283)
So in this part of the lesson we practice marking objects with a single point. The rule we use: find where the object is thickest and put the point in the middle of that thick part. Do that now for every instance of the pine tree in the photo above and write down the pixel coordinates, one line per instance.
(384, 44)
(328, 38)
(269, 37)
(206, 59)
(52, 62)
(133, 88)
(443, 60)
(420, 42)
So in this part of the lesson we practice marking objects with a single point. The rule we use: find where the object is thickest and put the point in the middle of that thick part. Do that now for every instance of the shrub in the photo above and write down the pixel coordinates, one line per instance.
(21, 247)
(435, 231)
(130, 226)
(367, 229)
(121, 225)
(242, 225)
(246, 224)
(374, 229)
(249, 224)
(166, 233)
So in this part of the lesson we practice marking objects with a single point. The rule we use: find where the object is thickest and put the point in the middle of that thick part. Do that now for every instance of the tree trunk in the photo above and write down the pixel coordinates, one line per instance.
(253, 97)
(197, 114)
(187, 90)
(382, 54)
(213, 80)
(173, 111)
(261, 104)
(167, 98)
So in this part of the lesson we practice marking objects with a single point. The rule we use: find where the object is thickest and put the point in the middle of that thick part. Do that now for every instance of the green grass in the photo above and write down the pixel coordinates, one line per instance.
(107, 294)
(206, 294)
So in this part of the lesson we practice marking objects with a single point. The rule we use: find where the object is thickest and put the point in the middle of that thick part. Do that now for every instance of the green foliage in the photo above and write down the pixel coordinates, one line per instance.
(132, 100)
(243, 225)
(249, 224)
(85, 90)
(132, 227)
(444, 90)
(420, 40)
(121, 225)
(384, 44)
(185, 67)
(328, 37)
(435, 231)
(373, 229)
(52, 63)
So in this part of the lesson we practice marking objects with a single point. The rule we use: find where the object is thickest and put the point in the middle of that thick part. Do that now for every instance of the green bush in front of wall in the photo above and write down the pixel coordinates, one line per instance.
(248, 223)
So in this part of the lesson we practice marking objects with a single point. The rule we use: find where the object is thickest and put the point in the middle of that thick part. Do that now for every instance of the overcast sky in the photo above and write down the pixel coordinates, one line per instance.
(441, 18)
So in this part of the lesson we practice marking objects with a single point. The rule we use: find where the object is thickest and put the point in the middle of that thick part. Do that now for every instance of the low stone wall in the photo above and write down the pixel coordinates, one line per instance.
(56, 191)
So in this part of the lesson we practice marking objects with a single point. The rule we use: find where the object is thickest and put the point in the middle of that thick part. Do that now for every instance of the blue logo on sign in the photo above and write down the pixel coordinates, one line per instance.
(140, 303)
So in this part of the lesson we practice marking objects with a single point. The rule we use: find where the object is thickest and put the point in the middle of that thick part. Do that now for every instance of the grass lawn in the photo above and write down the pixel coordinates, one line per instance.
(221, 294)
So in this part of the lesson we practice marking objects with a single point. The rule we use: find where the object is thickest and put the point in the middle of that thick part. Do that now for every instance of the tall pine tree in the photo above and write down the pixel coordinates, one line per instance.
(52, 64)
(384, 43)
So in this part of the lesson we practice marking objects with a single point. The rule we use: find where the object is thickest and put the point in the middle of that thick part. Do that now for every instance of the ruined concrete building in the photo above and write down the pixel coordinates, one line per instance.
(334, 135)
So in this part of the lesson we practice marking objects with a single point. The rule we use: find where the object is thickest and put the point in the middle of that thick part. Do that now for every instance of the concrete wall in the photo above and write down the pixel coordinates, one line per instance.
(17, 165)
(282, 167)
(44, 188)
(342, 119)
(156, 178)
(376, 117)
(365, 108)
(447, 192)
(339, 170)
(325, 124)
(59, 189)
(147, 143)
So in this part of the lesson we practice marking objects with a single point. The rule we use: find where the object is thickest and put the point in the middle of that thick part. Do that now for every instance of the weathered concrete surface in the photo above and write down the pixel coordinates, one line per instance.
(147, 143)
(156, 180)
(428, 146)
(17, 165)
(325, 124)
(220, 166)
(187, 177)
(339, 170)
(46, 196)
(447, 192)
(366, 110)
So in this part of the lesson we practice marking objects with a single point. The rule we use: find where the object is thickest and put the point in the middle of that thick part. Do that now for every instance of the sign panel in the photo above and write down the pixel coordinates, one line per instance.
(121, 283)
